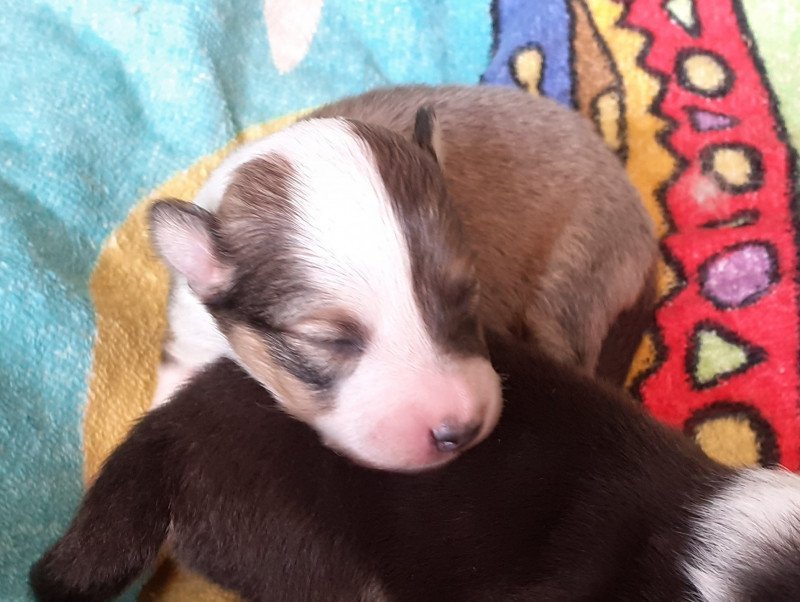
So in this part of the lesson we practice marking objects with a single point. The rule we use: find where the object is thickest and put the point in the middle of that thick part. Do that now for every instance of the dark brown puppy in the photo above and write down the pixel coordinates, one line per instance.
(577, 495)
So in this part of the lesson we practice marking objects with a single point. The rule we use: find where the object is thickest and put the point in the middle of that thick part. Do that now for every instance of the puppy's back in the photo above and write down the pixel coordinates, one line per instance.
(565, 243)
(576, 495)
(512, 517)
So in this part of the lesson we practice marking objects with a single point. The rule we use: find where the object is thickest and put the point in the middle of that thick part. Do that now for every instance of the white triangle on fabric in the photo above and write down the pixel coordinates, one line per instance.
(291, 25)
(683, 13)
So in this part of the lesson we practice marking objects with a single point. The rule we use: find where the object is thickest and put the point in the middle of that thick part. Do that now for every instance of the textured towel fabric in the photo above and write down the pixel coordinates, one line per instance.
(697, 96)
(106, 105)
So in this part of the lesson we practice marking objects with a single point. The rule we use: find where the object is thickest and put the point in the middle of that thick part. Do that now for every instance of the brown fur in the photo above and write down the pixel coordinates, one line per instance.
(563, 242)
(255, 225)
(577, 495)
(441, 264)
(267, 313)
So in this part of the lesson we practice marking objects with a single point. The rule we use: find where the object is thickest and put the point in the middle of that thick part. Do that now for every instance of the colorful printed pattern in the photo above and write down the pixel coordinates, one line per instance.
(722, 363)
(109, 103)
(733, 236)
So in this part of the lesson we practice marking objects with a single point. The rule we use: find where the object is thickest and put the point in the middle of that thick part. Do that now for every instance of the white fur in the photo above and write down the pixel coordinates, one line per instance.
(195, 341)
(169, 379)
(355, 250)
(741, 529)
(388, 407)
(349, 231)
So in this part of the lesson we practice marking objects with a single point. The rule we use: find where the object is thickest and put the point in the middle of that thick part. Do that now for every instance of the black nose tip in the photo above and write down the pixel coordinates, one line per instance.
(452, 437)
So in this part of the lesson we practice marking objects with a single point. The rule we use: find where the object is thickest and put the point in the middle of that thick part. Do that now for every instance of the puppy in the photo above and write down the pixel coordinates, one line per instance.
(345, 254)
(576, 495)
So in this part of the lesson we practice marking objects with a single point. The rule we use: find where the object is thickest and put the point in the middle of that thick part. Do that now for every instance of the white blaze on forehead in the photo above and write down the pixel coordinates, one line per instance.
(743, 530)
(353, 237)
(347, 231)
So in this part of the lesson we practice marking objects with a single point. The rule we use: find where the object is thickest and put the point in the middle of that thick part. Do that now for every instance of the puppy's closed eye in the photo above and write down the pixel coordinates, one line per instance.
(345, 346)
(340, 339)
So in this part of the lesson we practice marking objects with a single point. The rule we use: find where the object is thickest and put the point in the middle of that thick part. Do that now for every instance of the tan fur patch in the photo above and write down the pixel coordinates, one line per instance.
(294, 396)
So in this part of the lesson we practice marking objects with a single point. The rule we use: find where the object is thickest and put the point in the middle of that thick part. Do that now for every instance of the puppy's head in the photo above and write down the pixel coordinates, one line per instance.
(336, 268)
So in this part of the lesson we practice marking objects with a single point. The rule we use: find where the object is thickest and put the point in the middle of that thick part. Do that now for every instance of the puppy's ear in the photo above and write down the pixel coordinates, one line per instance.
(428, 134)
(183, 235)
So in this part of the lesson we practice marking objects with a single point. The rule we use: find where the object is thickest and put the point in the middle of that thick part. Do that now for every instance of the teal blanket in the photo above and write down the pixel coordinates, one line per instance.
(100, 102)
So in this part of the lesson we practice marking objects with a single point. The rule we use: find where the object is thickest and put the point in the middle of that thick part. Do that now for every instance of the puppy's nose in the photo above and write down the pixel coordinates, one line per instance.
(449, 437)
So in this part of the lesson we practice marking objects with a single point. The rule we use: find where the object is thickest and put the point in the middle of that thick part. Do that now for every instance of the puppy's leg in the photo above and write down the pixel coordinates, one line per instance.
(625, 335)
(581, 295)
(119, 529)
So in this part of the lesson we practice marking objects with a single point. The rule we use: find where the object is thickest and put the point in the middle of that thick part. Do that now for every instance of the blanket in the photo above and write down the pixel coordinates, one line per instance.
(108, 104)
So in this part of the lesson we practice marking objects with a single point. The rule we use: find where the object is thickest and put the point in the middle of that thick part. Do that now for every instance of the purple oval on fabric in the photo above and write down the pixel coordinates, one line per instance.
(739, 275)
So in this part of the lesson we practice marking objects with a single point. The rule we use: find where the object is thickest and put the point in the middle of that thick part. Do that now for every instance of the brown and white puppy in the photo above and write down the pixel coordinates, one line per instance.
(344, 254)
(577, 495)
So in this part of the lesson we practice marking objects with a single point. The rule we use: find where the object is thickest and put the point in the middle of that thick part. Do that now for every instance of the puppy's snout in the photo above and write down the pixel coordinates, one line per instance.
(415, 419)
(451, 437)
